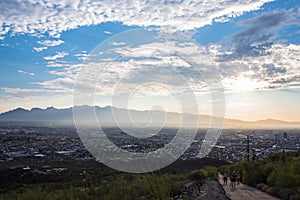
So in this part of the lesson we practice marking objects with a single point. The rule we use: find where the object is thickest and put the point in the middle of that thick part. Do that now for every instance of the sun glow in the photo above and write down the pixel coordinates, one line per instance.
(242, 84)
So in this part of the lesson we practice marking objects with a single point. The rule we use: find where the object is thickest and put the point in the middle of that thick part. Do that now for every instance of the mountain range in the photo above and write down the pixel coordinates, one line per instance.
(112, 116)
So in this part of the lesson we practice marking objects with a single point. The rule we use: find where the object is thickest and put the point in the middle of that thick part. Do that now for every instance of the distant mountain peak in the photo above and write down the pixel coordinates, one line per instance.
(18, 109)
(51, 108)
(35, 109)
(110, 114)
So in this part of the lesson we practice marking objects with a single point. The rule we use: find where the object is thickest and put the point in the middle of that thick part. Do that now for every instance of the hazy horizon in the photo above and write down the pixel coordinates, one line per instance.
(44, 108)
(124, 118)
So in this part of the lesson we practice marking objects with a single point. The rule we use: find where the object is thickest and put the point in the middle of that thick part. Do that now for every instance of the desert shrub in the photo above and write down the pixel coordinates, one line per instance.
(286, 175)
(210, 172)
(280, 174)
(37, 193)
(196, 175)
(119, 186)
(205, 172)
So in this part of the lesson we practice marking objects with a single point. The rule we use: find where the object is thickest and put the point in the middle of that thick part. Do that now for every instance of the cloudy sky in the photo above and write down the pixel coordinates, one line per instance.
(153, 54)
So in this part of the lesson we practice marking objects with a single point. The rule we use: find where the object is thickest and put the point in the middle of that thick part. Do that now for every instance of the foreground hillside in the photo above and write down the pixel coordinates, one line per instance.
(278, 175)
(107, 184)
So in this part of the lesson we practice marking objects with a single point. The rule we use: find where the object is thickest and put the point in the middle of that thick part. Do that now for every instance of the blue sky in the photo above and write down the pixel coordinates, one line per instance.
(254, 46)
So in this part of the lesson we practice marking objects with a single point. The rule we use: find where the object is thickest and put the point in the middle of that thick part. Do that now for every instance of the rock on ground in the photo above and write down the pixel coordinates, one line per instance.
(205, 189)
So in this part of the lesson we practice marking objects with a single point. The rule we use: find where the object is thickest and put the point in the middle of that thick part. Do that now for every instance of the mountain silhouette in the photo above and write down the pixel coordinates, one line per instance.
(112, 116)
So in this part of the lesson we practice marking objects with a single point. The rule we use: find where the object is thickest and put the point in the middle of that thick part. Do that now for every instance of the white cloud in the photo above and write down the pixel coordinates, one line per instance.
(278, 68)
(155, 62)
(243, 84)
(59, 84)
(4, 30)
(118, 43)
(31, 92)
(82, 56)
(53, 17)
(51, 43)
(4, 44)
(26, 73)
(107, 32)
(39, 49)
(58, 63)
(47, 43)
(56, 56)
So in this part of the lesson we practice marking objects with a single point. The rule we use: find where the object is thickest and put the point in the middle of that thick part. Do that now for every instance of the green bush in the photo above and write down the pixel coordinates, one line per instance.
(286, 175)
(280, 173)
(205, 172)
(37, 193)
(210, 172)
(196, 175)
(140, 187)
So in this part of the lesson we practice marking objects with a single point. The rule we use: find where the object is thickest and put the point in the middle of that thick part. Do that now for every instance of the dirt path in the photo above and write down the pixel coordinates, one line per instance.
(244, 192)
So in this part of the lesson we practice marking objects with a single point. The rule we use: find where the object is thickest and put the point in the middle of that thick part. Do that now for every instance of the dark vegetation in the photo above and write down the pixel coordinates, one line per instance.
(278, 175)
(91, 180)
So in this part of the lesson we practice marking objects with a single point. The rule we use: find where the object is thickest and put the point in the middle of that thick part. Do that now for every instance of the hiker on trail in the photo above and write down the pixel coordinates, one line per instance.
(238, 179)
(225, 178)
(233, 179)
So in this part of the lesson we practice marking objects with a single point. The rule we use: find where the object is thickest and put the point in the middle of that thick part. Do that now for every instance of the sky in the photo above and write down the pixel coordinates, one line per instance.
(172, 55)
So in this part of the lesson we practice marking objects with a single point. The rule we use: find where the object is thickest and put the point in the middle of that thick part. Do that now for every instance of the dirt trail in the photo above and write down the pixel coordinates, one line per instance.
(245, 192)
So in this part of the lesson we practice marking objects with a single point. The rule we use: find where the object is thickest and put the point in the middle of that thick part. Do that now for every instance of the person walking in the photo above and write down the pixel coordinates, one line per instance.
(233, 179)
(225, 177)
(238, 178)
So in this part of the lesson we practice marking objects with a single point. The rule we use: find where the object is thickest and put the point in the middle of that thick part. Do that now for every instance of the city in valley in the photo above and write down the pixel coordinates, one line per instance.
(20, 143)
